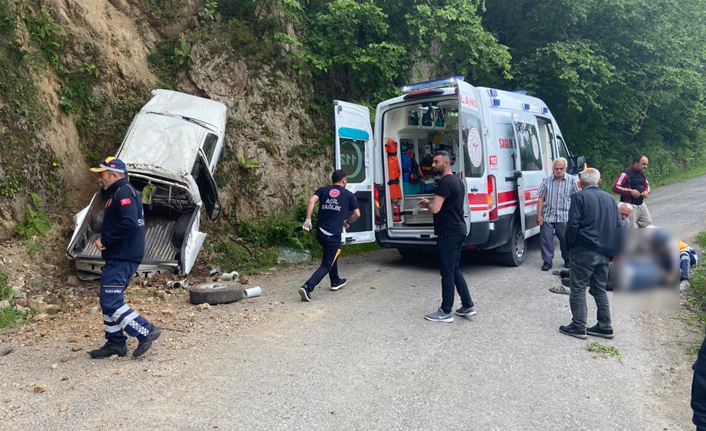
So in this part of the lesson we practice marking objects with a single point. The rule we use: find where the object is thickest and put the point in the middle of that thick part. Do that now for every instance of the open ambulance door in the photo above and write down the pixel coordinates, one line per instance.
(527, 170)
(354, 152)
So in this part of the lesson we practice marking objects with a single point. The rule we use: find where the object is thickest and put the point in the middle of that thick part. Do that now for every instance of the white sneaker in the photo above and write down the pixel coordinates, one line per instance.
(684, 285)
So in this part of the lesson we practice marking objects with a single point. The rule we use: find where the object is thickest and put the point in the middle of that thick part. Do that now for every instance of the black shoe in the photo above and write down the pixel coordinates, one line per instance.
(566, 282)
(567, 264)
(342, 282)
(109, 349)
(144, 345)
(565, 273)
(573, 331)
(598, 332)
(465, 311)
(546, 266)
(305, 294)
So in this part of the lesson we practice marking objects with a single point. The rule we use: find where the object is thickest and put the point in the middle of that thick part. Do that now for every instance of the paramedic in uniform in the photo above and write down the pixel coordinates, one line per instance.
(450, 230)
(335, 207)
(553, 211)
(122, 246)
(633, 188)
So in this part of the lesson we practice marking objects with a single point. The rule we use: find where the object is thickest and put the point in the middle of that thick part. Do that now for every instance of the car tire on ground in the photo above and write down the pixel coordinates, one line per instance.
(214, 293)
(513, 253)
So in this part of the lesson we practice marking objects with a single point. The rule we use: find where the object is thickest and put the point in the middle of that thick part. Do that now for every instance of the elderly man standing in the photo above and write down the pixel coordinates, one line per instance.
(553, 211)
(633, 188)
(592, 239)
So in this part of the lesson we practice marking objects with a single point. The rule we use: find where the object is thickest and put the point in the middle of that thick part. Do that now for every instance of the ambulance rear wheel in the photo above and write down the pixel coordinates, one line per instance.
(516, 248)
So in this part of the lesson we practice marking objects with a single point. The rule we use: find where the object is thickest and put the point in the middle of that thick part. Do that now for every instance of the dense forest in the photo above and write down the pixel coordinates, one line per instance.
(623, 76)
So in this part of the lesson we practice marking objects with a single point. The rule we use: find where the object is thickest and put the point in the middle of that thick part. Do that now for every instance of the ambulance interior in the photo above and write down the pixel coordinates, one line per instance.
(411, 135)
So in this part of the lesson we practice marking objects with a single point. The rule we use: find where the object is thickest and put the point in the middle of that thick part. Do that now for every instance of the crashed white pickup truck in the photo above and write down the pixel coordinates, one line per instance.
(171, 150)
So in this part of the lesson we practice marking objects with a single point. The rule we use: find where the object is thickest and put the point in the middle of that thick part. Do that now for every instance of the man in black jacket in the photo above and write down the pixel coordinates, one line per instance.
(122, 246)
(592, 239)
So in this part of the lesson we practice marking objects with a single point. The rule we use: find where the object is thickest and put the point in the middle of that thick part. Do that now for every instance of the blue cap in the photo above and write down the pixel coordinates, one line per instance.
(111, 164)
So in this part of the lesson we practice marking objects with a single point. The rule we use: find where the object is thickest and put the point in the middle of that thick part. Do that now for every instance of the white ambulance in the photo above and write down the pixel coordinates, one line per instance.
(503, 145)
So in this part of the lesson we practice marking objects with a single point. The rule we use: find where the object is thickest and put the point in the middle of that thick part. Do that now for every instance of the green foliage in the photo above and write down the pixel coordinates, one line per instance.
(701, 239)
(10, 316)
(622, 78)
(210, 7)
(696, 295)
(595, 346)
(170, 58)
(32, 248)
(248, 164)
(9, 187)
(5, 289)
(46, 35)
(37, 223)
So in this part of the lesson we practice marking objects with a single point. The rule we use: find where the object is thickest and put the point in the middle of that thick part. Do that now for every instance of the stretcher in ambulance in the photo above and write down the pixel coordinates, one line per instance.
(502, 145)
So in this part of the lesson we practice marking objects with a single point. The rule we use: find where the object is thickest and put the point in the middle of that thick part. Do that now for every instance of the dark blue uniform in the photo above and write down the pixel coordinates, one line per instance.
(123, 237)
(335, 205)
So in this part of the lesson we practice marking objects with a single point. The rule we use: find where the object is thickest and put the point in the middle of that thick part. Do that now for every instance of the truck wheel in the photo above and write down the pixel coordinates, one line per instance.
(215, 293)
(516, 248)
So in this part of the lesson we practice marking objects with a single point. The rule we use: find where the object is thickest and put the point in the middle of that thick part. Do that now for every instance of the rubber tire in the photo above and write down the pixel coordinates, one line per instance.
(218, 292)
(513, 257)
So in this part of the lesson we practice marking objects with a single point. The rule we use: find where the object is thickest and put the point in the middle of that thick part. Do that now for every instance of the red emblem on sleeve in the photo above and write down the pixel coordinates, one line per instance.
(125, 201)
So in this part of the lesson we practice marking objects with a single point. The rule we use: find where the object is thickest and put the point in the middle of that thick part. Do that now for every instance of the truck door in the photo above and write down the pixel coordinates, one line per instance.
(353, 154)
(528, 170)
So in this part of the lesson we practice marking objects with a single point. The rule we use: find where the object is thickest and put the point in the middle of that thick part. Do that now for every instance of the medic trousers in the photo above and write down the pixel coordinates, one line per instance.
(117, 315)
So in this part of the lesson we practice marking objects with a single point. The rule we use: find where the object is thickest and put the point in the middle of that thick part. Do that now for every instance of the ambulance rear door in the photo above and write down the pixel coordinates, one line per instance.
(528, 170)
(473, 153)
(353, 154)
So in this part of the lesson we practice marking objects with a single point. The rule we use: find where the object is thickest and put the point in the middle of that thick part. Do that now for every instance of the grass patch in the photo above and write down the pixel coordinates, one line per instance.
(5, 289)
(37, 223)
(11, 316)
(693, 349)
(595, 346)
(680, 176)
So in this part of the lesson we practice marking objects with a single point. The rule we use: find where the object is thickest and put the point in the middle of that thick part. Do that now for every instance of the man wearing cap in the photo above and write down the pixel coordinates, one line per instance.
(122, 246)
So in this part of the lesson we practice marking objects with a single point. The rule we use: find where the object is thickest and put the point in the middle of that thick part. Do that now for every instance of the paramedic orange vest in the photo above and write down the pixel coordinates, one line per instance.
(393, 168)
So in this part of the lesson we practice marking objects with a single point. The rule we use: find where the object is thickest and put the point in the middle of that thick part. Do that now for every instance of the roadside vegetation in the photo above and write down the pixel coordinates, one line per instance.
(597, 347)
(696, 296)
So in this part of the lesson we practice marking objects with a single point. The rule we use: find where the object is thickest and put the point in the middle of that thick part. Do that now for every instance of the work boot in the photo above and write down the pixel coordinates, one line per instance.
(144, 345)
(109, 349)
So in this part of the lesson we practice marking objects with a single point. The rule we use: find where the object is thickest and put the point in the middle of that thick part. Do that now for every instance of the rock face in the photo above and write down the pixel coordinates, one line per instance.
(263, 169)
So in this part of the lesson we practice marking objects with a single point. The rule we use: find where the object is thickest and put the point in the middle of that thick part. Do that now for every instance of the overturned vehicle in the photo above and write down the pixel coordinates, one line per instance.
(171, 150)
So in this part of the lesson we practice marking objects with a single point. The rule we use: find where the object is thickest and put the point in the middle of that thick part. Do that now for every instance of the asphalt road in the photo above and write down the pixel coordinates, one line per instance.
(363, 358)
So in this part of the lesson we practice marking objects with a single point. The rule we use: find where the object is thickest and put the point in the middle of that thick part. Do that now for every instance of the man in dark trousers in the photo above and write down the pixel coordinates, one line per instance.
(633, 188)
(592, 239)
(553, 211)
(122, 246)
(698, 389)
(335, 207)
(450, 230)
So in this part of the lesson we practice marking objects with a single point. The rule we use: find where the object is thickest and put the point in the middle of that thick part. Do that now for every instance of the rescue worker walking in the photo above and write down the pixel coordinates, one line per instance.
(553, 212)
(335, 207)
(450, 230)
(633, 188)
(122, 246)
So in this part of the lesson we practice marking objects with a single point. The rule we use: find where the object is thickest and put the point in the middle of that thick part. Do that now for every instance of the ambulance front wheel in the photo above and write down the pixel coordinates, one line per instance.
(513, 253)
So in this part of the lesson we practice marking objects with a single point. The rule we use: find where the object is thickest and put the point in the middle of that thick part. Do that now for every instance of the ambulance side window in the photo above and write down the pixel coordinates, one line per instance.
(473, 154)
(353, 159)
(530, 152)
(564, 152)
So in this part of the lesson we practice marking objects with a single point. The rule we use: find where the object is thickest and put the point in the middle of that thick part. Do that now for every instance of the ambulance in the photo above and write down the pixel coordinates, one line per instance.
(502, 145)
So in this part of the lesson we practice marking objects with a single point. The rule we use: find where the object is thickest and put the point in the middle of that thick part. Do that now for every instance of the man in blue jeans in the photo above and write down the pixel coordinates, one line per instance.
(450, 230)
(335, 207)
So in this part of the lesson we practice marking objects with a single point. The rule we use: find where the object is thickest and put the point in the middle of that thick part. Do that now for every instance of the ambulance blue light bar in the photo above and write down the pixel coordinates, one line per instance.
(496, 102)
(435, 83)
(526, 106)
(493, 93)
(545, 110)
